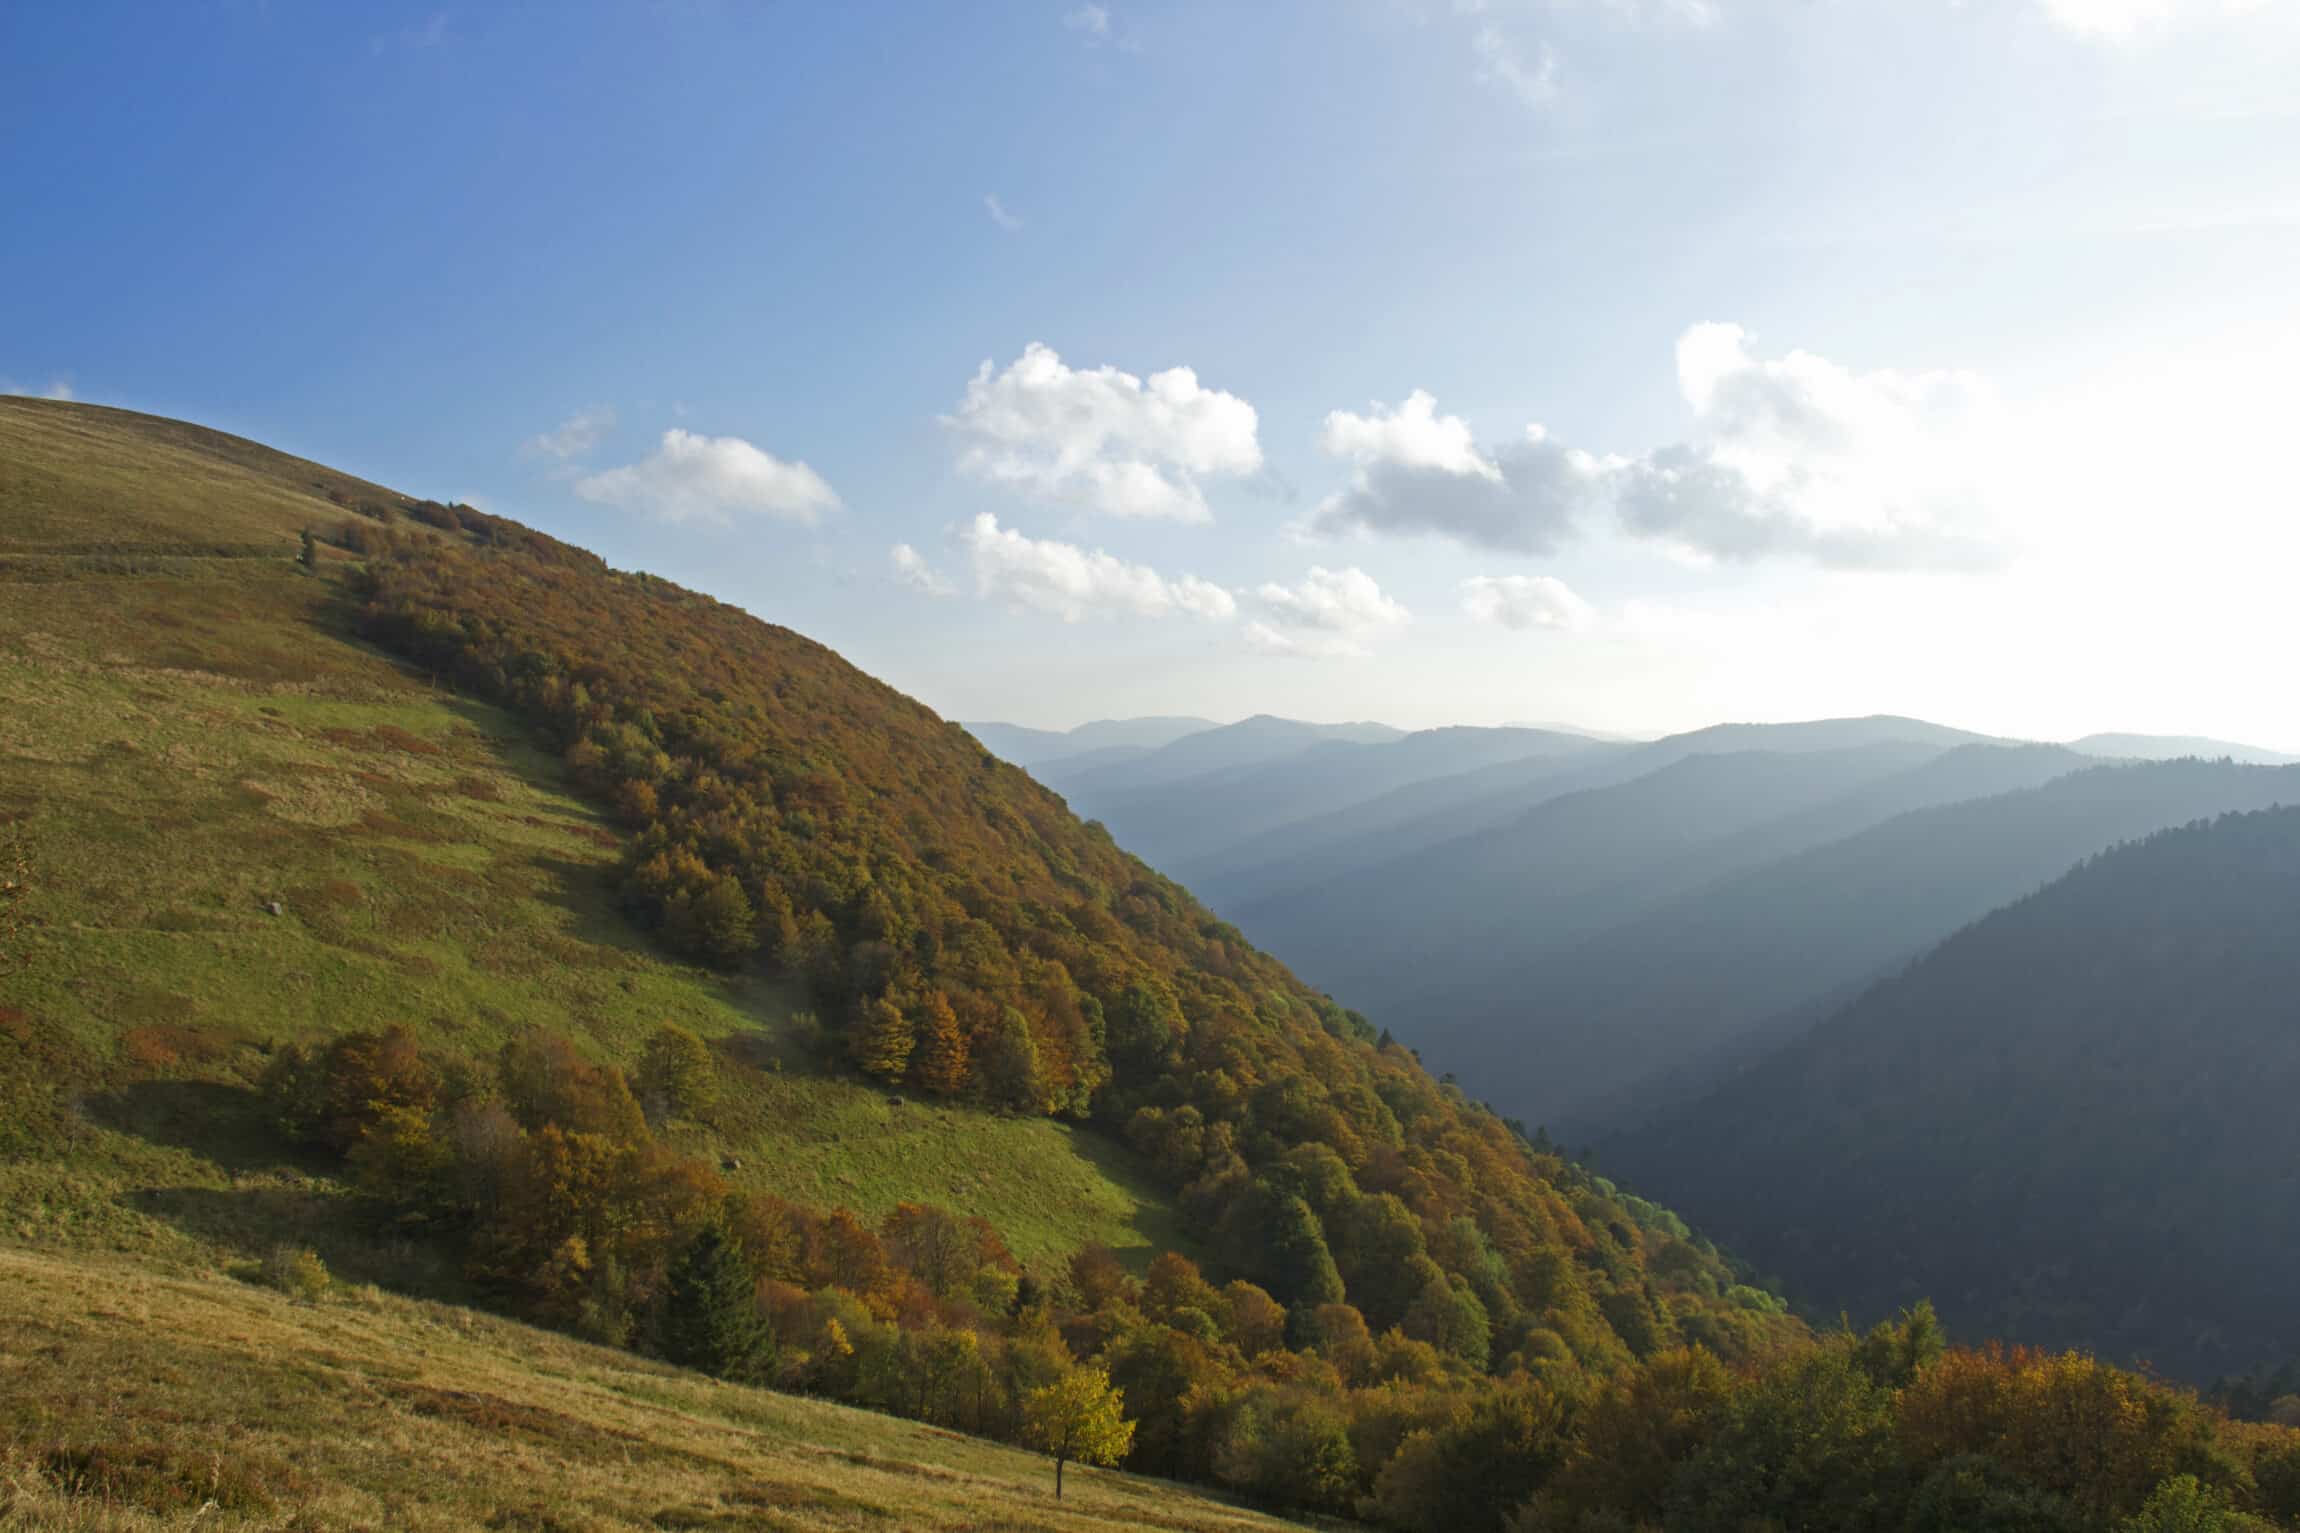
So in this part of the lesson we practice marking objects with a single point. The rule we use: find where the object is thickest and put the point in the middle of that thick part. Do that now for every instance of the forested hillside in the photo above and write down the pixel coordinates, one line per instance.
(391, 894)
(2071, 1122)
(1750, 957)
(292, 909)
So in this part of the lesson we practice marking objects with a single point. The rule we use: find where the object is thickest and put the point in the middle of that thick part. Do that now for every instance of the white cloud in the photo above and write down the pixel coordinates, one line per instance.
(573, 437)
(911, 569)
(2124, 21)
(1413, 435)
(1799, 455)
(711, 479)
(998, 214)
(1419, 472)
(1524, 601)
(1073, 583)
(1501, 65)
(1103, 440)
(1090, 21)
(1793, 456)
(1330, 614)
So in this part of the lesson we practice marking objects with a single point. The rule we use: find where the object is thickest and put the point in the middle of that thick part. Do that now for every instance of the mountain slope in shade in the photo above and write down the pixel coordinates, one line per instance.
(2173, 747)
(1425, 934)
(1688, 982)
(1310, 857)
(2072, 1121)
(1307, 853)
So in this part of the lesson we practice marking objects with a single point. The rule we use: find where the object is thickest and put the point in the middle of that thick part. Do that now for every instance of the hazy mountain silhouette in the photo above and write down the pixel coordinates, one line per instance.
(1167, 823)
(1106, 739)
(2173, 747)
(1535, 862)
(1578, 1039)
(2072, 1121)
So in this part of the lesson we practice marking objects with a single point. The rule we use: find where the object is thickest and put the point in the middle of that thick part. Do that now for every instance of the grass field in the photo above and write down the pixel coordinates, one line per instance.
(131, 1400)
(188, 737)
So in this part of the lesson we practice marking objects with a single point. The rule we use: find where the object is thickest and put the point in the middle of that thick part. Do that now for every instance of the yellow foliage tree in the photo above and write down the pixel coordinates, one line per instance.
(1079, 1416)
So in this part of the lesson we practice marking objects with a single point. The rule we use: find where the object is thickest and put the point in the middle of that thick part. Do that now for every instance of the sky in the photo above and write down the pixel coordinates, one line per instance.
(1639, 364)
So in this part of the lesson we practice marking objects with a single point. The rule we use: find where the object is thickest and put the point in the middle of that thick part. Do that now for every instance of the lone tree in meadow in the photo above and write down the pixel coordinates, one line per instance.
(1078, 1416)
(309, 558)
(676, 1077)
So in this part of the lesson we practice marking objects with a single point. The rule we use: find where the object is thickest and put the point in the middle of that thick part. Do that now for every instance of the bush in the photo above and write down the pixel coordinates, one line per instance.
(297, 1272)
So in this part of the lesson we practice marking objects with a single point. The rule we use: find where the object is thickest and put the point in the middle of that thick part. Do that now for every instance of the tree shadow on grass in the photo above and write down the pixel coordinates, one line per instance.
(290, 1198)
(347, 1234)
(221, 1122)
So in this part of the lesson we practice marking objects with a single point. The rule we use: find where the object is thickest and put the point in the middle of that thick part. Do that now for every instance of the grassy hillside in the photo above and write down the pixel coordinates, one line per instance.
(131, 1401)
(187, 738)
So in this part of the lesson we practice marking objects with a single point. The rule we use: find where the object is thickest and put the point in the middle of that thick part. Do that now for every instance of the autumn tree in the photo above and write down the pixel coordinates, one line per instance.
(1079, 1416)
(545, 1081)
(939, 1065)
(881, 1040)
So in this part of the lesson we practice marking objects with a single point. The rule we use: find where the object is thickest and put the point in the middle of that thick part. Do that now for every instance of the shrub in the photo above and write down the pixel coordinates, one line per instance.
(297, 1272)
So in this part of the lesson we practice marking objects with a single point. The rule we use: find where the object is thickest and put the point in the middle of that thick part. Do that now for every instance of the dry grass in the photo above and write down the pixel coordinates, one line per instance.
(133, 1400)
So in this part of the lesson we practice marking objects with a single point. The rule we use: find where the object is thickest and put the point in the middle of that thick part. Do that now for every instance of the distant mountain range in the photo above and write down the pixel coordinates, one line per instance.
(1590, 929)
(2173, 747)
(2072, 1121)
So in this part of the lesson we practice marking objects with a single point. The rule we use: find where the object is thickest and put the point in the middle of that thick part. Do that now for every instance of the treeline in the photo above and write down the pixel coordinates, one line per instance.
(962, 934)
(542, 1168)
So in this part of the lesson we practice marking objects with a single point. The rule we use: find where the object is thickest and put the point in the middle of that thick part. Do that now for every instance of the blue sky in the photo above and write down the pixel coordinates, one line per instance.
(1885, 355)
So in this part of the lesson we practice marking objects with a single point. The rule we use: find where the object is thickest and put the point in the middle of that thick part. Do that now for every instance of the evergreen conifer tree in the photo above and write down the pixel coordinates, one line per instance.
(711, 1319)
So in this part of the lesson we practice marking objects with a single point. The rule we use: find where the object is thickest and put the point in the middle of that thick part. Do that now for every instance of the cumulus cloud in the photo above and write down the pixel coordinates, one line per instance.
(573, 437)
(1103, 440)
(1419, 472)
(690, 478)
(1801, 456)
(1791, 456)
(1073, 583)
(998, 214)
(1524, 601)
(1413, 435)
(911, 569)
(1330, 614)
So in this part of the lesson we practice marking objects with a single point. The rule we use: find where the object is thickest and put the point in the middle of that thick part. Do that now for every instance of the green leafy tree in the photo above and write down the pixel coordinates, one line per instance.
(1079, 1416)
(2184, 1505)
(1009, 1068)
(715, 923)
(676, 1074)
(711, 1317)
